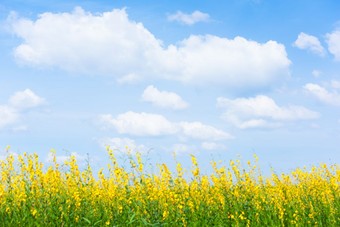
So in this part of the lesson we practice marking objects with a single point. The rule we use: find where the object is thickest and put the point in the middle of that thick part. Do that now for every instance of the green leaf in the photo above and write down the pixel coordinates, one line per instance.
(97, 222)
(131, 219)
(144, 222)
(87, 220)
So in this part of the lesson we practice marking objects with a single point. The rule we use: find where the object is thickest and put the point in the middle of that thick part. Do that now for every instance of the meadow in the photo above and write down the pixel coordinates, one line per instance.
(32, 194)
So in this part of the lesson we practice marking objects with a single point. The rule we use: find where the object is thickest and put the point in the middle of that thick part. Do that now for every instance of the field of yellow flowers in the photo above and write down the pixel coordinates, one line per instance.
(62, 195)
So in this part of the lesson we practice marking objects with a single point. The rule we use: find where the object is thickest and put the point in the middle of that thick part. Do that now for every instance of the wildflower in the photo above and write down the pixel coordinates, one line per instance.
(34, 212)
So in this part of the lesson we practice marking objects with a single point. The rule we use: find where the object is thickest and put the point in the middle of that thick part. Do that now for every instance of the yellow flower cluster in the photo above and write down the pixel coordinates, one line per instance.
(230, 196)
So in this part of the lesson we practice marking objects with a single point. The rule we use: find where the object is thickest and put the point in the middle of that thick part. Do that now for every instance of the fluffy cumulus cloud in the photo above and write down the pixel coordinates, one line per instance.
(146, 124)
(189, 19)
(122, 145)
(80, 41)
(21, 101)
(25, 100)
(111, 44)
(261, 111)
(163, 99)
(139, 124)
(309, 42)
(235, 62)
(197, 130)
(333, 41)
(322, 94)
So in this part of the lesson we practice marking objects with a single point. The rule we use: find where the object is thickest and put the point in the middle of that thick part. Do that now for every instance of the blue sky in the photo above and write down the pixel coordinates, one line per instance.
(212, 78)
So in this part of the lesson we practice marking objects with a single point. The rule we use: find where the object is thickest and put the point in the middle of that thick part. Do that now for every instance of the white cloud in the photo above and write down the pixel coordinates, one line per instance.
(25, 100)
(261, 111)
(212, 146)
(11, 113)
(79, 41)
(139, 124)
(233, 62)
(163, 99)
(309, 42)
(333, 41)
(8, 116)
(146, 124)
(131, 78)
(119, 145)
(111, 44)
(189, 19)
(197, 130)
(321, 93)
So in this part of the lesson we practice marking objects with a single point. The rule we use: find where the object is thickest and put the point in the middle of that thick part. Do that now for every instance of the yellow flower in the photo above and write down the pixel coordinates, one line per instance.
(34, 212)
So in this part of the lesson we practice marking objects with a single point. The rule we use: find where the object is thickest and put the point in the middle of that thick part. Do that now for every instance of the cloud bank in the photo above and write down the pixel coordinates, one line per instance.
(111, 44)
(146, 124)
(261, 112)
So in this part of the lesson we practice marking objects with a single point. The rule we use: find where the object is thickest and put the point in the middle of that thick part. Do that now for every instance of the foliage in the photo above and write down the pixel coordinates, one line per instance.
(229, 197)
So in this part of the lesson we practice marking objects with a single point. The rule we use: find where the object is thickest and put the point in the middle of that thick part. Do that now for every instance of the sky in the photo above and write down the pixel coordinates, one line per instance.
(217, 79)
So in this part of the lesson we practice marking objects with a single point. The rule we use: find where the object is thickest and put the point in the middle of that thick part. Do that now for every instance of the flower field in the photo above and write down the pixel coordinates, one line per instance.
(62, 195)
